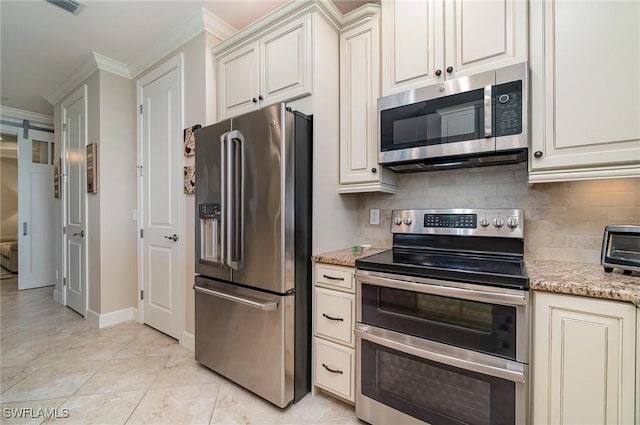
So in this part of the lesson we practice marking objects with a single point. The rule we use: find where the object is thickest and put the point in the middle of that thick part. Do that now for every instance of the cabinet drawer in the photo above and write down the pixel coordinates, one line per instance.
(334, 315)
(334, 368)
(335, 277)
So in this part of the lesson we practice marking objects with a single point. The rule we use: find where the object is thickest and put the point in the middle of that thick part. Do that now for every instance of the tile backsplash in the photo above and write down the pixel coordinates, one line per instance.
(563, 221)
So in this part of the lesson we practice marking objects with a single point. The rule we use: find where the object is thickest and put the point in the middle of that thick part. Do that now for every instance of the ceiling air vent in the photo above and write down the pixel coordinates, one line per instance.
(68, 5)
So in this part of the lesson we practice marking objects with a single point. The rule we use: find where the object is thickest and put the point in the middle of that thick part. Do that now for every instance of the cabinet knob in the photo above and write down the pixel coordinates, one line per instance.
(449, 69)
(374, 170)
(438, 72)
(254, 100)
(538, 154)
(260, 97)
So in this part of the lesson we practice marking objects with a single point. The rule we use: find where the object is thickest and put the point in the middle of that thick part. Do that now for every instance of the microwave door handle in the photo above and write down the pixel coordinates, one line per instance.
(488, 116)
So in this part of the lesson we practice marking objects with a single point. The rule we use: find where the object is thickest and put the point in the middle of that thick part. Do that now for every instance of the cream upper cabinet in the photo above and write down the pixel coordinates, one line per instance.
(426, 42)
(585, 90)
(584, 353)
(275, 68)
(359, 92)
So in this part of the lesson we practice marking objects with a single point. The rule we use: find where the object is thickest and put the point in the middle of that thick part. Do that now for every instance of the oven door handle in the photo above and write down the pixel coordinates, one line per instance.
(431, 353)
(432, 286)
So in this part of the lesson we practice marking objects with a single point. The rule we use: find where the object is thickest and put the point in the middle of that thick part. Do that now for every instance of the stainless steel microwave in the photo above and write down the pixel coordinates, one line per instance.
(475, 120)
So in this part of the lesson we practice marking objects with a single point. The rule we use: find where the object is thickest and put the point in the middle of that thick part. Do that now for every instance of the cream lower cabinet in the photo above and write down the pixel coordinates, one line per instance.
(427, 42)
(359, 92)
(333, 325)
(584, 354)
(585, 90)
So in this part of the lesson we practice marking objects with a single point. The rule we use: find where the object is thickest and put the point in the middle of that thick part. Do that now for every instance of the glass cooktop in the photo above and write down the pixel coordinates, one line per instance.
(494, 270)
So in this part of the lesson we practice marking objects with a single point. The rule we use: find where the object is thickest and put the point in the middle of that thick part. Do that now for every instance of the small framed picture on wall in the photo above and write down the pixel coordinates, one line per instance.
(189, 179)
(190, 140)
(92, 161)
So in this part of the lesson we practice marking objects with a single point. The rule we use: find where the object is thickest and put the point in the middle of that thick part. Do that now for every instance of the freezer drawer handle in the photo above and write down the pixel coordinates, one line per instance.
(332, 370)
(332, 278)
(337, 319)
(267, 305)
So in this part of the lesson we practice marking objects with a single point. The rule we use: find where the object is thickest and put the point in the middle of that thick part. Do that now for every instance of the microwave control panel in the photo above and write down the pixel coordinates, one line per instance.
(508, 108)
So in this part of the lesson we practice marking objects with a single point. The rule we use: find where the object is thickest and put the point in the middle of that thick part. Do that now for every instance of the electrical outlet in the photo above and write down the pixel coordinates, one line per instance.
(374, 216)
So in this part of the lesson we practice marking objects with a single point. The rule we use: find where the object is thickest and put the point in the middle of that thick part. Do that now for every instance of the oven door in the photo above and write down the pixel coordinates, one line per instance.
(475, 317)
(403, 379)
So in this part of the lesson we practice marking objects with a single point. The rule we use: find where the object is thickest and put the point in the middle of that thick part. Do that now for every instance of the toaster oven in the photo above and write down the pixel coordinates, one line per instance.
(621, 248)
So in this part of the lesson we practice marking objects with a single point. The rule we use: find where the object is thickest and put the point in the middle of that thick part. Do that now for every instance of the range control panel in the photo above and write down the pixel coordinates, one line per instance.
(461, 222)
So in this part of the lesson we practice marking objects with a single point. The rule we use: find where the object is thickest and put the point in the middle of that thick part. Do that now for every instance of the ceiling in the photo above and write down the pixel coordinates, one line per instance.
(41, 44)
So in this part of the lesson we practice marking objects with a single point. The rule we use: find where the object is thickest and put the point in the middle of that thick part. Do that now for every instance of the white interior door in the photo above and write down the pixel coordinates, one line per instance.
(160, 125)
(74, 113)
(36, 226)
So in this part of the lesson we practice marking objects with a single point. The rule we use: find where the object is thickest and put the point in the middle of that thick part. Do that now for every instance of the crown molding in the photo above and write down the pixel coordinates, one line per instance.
(366, 11)
(216, 26)
(91, 64)
(9, 113)
(105, 63)
(201, 20)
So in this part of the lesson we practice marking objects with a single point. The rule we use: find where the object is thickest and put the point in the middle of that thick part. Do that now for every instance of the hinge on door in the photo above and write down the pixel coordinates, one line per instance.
(64, 230)
(140, 109)
(64, 126)
(141, 233)
(140, 169)
(64, 281)
(142, 295)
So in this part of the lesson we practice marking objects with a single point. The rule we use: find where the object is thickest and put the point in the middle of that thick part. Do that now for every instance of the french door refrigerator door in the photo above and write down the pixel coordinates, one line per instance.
(247, 336)
(209, 203)
(260, 199)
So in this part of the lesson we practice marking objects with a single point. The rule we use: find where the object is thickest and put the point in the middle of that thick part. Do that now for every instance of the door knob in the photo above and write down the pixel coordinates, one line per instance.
(438, 72)
(173, 237)
(449, 69)
(80, 233)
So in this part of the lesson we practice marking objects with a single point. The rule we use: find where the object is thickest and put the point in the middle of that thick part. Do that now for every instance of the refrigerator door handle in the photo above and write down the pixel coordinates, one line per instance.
(224, 176)
(235, 197)
(251, 302)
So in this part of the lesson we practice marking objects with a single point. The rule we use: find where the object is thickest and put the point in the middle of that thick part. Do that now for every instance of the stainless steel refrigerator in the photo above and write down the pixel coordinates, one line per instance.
(253, 249)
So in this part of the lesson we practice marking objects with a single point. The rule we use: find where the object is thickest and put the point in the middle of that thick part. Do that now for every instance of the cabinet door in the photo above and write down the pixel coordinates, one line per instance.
(238, 81)
(484, 34)
(585, 62)
(359, 91)
(583, 360)
(285, 62)
(412, 44)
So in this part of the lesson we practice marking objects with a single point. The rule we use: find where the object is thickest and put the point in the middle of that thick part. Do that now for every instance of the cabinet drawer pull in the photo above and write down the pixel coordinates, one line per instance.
(332, 370)
(332, 278)
(337, 319)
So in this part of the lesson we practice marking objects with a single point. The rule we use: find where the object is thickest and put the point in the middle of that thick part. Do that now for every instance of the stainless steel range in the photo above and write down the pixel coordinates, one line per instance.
(442, 328)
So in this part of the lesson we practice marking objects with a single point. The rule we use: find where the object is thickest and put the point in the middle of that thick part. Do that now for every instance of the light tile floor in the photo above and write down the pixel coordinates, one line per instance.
(50, 358)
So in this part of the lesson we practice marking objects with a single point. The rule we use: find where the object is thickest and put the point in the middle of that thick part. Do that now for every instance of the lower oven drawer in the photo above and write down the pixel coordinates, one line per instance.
(335, 368)
(400, 379)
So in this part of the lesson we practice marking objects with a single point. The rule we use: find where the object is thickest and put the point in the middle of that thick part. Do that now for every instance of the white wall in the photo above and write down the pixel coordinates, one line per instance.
(117, 193)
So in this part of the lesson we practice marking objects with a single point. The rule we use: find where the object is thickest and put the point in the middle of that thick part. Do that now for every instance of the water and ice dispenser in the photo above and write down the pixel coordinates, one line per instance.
(210, 248)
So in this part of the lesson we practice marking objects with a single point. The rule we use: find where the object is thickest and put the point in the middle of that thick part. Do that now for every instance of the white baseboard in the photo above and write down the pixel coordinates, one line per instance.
(57, 296)
(112, 318)
(188, 341)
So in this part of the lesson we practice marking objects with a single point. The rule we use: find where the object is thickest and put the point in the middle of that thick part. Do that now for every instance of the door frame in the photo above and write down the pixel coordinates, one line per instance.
(81, 92)
(177, 63)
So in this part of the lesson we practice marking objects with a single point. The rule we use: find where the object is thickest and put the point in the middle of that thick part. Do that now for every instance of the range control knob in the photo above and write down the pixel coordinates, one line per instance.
(498, 222)
(512, 222)
(484, 221)
(397, 220)
(407, 220)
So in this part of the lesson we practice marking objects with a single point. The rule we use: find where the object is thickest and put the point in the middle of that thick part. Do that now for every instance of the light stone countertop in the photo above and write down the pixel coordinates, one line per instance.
(345, 257)
(587, 280)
